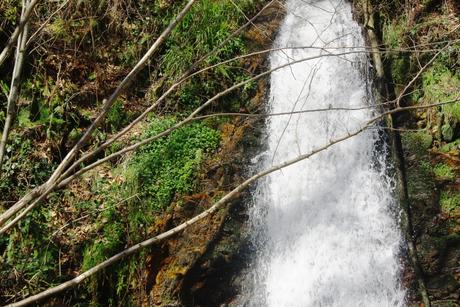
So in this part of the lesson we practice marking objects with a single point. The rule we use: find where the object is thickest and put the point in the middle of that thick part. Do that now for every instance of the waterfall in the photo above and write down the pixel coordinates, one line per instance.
(326, 229)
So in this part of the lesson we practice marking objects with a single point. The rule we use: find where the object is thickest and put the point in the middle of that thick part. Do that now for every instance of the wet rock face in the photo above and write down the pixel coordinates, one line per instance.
(436, 241)
(214, 279)
(431, 156)
(200, 267)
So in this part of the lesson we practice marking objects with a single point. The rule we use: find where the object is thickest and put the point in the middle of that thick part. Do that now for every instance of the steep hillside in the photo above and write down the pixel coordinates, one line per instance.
(79, 54)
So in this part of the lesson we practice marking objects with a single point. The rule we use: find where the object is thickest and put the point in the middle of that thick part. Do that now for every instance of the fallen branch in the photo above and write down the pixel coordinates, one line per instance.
(37, 192)
(63, 181)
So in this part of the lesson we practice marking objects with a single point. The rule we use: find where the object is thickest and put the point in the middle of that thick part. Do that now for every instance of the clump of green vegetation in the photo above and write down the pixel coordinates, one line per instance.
(450, 200)
(117, 117)
(29, 252)
(9, 11)
(168, 165)
(21, 169)
(206, 27)
(152, 177)
(444, 171)
(417, 142)
(440, 83)
(453, 147)
(394, 33)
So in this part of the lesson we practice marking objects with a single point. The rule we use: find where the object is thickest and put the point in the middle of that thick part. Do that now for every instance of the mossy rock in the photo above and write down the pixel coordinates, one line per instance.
(416, 143)
(430, 251)
(443, 288)
(445, 303)
(443, 171)
(450, 202)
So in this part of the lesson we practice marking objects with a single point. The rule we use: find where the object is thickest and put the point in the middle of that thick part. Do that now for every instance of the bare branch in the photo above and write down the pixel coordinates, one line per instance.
(15, 84)
(42, 191)
(25, 16)
(224, 200)
(49, 185)
(66, 178)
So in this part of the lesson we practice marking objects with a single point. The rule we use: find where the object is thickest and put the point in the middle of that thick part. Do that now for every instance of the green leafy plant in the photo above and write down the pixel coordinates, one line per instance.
(168, 165)
(152, 177)
(417, 142)
(444, 171)
(449, 201)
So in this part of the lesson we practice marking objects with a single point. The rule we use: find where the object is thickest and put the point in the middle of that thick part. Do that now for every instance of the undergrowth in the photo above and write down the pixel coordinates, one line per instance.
(151, 179)
(64, 84)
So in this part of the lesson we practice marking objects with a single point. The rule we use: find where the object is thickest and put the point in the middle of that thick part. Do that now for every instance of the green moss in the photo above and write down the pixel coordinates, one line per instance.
(400, 66)
(417, 142)
(452, 147)
(444, 171)
(152, 177)
(168, 165)
(420, 176)
(449, 201)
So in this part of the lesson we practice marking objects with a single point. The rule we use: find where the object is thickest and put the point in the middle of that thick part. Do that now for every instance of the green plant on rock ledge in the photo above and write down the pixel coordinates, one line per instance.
(206, 27)
(151, 178)
(168, 166)
(449, 201)
(417, 142)
(440, 83)
(444, 171)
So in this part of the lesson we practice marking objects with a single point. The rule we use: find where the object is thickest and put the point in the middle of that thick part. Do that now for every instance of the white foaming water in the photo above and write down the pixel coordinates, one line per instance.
(326, 232)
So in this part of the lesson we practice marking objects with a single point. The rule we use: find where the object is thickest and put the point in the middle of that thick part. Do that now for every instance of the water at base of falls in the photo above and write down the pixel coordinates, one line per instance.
(326, 228)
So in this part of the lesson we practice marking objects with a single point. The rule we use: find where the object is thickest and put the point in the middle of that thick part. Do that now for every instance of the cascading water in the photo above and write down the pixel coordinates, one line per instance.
(326, 230)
